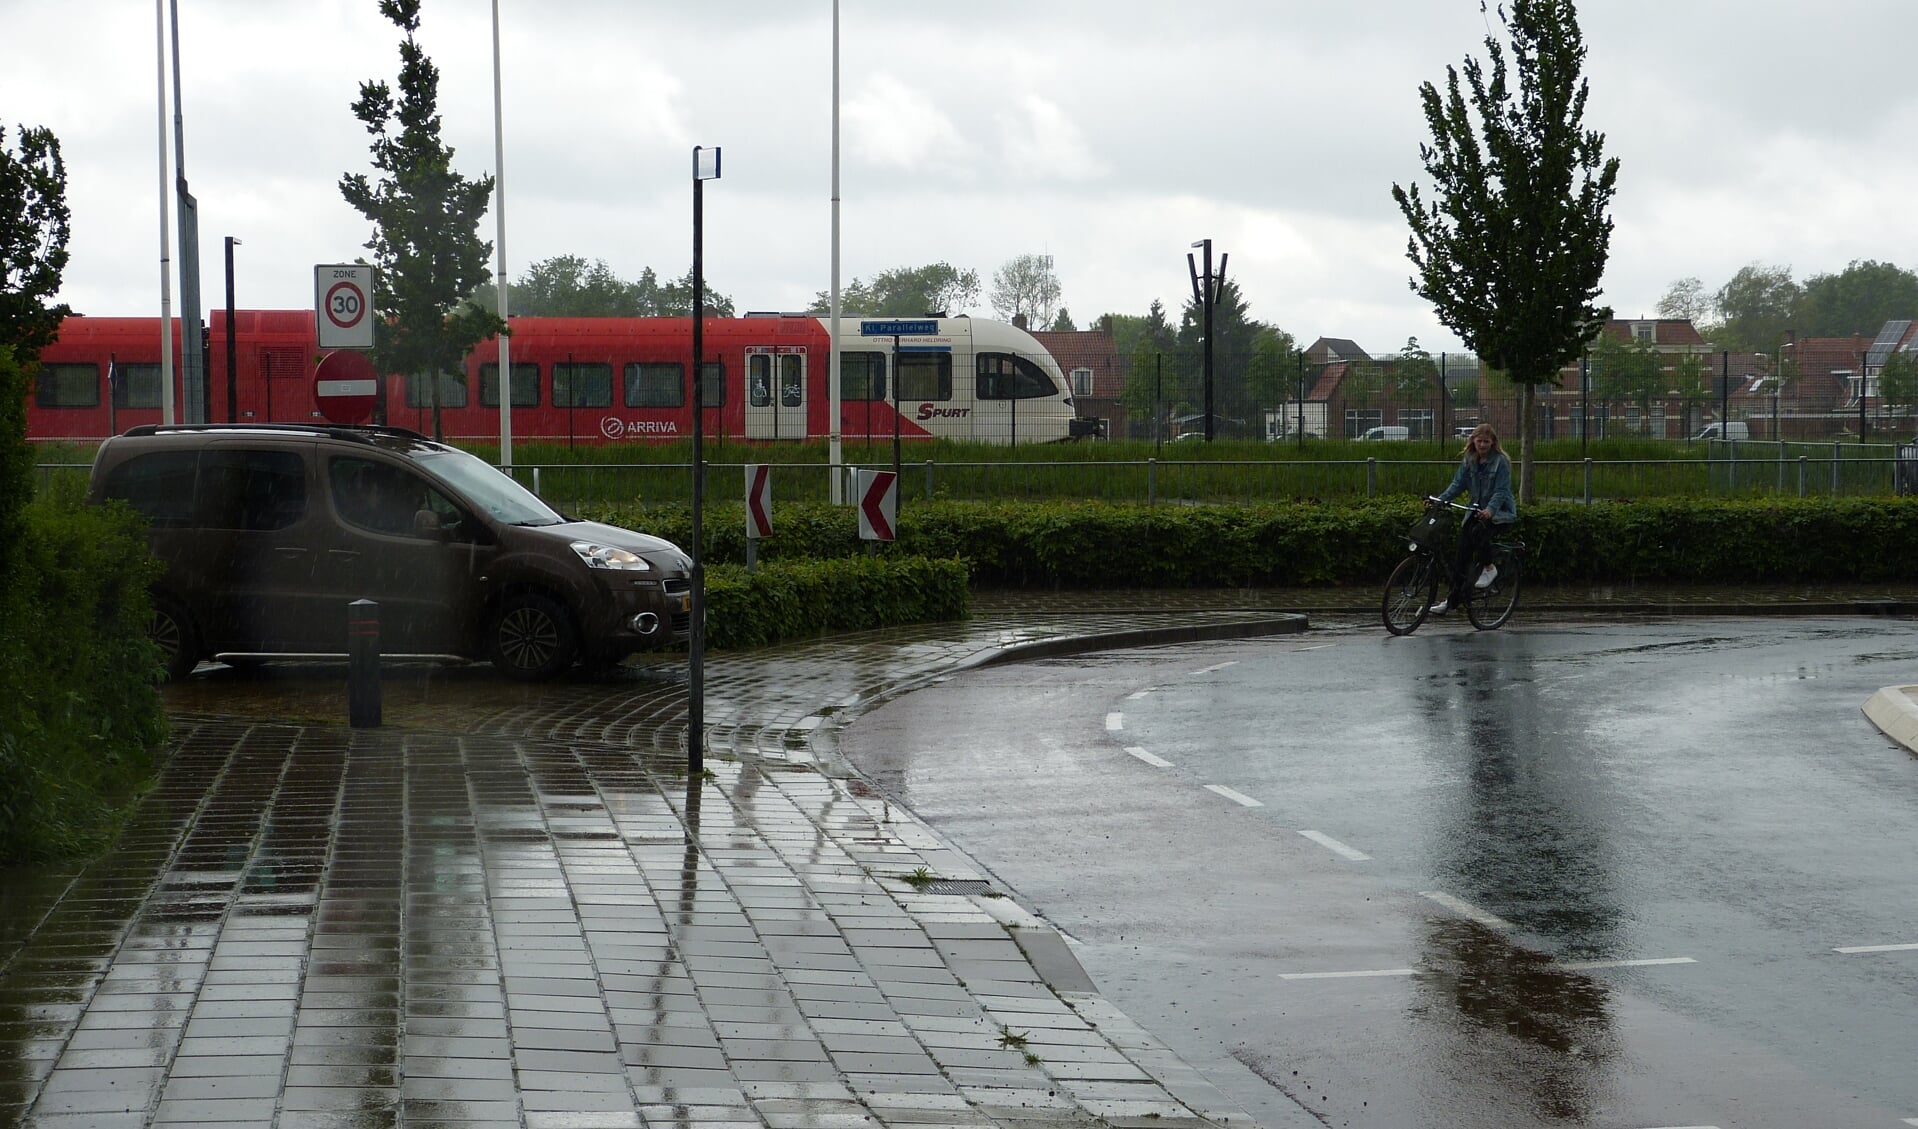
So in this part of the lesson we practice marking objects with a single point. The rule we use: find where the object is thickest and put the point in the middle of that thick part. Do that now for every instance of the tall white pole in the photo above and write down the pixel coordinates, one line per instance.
(499, 214)
(832, 365)
(166, 262)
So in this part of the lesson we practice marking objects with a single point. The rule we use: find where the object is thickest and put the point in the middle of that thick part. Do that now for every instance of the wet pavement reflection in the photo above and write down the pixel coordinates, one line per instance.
(511, 906)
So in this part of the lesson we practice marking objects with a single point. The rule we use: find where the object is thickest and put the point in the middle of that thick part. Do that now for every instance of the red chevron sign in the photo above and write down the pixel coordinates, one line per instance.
(759, 500)
(878, 504)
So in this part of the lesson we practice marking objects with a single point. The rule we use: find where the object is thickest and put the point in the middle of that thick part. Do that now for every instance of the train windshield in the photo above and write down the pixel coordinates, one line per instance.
(489, 489)
(1003, 376)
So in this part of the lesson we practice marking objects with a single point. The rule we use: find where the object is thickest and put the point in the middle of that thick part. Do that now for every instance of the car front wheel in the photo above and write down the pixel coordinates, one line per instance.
(532, 638)
(172, 630)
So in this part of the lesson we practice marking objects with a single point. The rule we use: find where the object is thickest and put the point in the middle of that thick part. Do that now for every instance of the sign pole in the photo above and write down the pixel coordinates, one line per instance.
(705, 167)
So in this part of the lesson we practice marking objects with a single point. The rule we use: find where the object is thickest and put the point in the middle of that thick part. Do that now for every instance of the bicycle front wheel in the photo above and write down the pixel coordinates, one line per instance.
(1491, 608)
(1408, 594)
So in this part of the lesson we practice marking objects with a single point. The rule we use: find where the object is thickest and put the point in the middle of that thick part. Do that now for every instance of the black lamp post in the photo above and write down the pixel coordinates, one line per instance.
(705, 168)
(1206, 296)
(232, 351)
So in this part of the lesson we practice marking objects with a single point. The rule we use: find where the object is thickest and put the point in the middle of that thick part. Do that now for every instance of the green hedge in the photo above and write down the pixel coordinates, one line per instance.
(784, 600)
(1304, 544)
(80, 716)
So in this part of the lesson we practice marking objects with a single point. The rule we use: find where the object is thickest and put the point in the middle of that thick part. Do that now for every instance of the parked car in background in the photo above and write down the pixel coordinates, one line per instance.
(1382, 433)
(268, 531)
(1733, 430)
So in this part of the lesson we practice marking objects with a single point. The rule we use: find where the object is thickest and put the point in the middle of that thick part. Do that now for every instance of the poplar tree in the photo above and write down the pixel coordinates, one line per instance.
(1512, 245)
(426, 247)
(34, 228)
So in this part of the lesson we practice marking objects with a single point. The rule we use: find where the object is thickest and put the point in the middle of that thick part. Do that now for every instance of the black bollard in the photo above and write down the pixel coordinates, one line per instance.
(363, 664)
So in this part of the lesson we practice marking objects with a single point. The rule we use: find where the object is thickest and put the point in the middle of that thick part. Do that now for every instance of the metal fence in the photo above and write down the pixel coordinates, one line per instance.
(1729, 469)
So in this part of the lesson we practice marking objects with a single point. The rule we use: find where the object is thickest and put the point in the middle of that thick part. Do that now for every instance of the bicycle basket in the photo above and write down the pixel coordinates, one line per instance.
(1429, 528)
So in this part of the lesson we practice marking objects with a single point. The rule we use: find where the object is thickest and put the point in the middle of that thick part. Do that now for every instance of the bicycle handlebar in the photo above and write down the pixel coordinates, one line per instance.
(1433, 500)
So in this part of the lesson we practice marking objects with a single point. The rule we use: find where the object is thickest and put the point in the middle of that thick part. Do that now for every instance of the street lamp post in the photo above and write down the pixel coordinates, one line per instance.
(232, 352)
(705, 168)
(1206, 296)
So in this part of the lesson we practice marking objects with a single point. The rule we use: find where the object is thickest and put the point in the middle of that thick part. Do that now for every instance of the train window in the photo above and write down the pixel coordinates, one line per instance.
(255, 490)
(792, 380)
(157, 485)
(525, 385)
(925, 376)
(68, 386)
(582, 385)
(712, 384)
(419, 390)
(655, 384)
(135, 385)
(759, 380)
(1003, 376)
(862, 376)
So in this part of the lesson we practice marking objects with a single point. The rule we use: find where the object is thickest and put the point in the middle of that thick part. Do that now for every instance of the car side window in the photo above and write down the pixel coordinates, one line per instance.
(158, 485)
(251, 490)
(382, 498)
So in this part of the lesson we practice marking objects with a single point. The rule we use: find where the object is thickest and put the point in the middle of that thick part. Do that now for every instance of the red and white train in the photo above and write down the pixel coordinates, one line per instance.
(595, 380)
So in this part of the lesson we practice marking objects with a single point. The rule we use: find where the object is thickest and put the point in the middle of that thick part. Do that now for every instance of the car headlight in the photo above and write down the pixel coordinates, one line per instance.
(607, 556)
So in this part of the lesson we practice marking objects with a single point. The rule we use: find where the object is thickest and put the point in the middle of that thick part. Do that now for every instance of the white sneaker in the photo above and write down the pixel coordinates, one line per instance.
(1439, 608)
(1485, 578)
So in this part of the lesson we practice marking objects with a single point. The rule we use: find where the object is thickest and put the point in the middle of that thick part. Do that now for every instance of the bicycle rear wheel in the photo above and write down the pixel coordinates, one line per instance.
(1488, 610)
(1408, 594)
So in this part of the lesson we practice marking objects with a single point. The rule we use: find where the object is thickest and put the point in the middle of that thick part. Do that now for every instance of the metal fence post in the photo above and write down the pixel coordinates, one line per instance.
(1804, 461)
(1152, 482)
(928, 480)
(1372, 477)
(1588, 481)
(1834, 468)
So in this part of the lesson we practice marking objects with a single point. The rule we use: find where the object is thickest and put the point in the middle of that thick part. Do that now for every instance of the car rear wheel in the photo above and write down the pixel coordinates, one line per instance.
(172, 630)
(533, 638)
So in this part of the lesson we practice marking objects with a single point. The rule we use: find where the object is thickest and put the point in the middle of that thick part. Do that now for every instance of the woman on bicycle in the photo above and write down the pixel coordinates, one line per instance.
(1486, 474)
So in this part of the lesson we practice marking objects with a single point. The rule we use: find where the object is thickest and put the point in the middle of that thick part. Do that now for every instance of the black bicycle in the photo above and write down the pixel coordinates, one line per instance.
(1414, 583)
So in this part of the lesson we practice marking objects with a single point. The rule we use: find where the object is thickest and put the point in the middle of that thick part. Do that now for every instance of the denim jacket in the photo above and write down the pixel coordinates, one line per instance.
(1490, 485)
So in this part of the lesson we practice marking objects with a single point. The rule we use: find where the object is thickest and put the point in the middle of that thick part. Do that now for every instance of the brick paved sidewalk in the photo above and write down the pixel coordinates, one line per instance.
(509, 907)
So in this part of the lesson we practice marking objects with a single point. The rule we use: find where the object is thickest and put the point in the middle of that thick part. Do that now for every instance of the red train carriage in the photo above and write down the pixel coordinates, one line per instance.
(596, 380)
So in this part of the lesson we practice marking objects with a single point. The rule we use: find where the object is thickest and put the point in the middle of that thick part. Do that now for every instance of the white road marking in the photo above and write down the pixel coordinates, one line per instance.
(1216, 666)
(1136, 694)
(1348, 975)
(1877, 949)
(1587, 965)
(1239, 798)
(1115, 722)
(1333, 845)
(1466, 909)
(1908, 1120)
(1320, 647)
(1155, 762)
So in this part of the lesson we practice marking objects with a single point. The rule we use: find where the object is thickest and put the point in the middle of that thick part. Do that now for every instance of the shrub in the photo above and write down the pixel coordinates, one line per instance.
(80, 717)
(793, 599)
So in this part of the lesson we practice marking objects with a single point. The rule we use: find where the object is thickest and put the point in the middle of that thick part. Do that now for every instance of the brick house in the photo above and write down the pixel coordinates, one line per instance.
(1095, 373)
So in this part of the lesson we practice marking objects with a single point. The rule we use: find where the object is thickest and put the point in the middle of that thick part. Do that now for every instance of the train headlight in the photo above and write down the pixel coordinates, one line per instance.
(608, 556)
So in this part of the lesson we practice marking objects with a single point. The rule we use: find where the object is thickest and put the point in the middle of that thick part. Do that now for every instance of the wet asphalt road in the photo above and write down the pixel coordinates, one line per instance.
(1584, 874)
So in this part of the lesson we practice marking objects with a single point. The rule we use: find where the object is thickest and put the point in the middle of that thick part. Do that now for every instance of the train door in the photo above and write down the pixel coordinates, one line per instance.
(775, 392)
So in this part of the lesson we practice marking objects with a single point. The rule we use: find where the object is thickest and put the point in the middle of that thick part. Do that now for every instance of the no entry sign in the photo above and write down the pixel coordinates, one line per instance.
(345, 386)
(343, 305)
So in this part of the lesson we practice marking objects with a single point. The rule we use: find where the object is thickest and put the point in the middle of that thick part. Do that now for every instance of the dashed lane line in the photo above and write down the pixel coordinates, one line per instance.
(1137, 694)
(1466, 909)
(1216, 666)
(1155, 762)
(1336, 847)
(1115, 722)
(1239, 798)
(1646, 962)
(1854, 949)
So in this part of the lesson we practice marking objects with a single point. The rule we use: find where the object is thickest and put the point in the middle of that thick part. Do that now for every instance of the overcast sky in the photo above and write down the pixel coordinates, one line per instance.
(1109, 134)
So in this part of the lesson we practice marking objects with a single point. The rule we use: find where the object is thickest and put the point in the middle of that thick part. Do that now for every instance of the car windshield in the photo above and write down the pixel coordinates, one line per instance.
(487, 488)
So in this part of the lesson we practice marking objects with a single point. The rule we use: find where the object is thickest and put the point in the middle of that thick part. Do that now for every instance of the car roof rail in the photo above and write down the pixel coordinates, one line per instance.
(360, 432)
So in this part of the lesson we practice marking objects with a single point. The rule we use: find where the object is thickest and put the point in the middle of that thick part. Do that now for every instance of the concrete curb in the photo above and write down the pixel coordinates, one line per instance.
(1894, 712)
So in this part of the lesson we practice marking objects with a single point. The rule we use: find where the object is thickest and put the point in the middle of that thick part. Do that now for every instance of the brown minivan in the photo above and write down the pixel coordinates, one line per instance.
(269, 531)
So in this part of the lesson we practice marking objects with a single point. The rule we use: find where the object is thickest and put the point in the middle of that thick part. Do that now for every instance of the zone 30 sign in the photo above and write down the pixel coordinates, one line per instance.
(343, 305)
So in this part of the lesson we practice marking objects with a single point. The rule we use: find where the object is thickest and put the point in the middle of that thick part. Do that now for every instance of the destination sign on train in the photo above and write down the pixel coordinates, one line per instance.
(902, 328)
